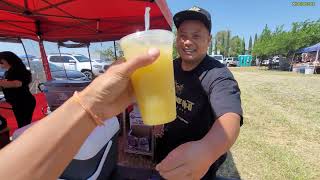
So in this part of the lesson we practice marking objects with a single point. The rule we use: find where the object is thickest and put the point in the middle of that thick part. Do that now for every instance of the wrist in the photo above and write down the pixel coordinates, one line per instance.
(95, 103)
(208, 150)
(78, 111)
(98, 120)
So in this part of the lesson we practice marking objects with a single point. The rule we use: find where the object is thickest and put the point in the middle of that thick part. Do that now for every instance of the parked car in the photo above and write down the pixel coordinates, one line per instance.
(231, 61)
(219, 58)
(2, 71)
(58, 73)
(107, 63)
(276, 60)
(265, 62)
(78, 62)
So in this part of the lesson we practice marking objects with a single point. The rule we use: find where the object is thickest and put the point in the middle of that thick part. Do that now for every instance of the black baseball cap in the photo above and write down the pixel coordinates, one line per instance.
(194, 13)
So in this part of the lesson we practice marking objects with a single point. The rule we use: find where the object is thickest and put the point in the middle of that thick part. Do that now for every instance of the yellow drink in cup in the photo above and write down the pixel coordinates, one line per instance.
(154, 84)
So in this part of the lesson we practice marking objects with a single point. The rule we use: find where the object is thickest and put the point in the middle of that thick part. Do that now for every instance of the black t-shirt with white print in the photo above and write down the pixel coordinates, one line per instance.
(202, 95)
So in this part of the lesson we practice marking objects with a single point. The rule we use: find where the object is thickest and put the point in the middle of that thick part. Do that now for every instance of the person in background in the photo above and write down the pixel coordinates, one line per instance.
(209, 113)
(3, 123)
(4, 139)
(15, 87)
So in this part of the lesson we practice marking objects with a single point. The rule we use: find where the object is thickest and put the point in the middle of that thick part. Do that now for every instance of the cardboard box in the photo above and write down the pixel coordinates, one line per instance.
(139, 138)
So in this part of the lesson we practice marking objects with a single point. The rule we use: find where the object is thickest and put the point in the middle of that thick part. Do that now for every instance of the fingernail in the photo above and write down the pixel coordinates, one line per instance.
(153, 52)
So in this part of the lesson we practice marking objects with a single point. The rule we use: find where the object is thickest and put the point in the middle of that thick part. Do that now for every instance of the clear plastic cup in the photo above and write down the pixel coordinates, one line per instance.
(154, 84)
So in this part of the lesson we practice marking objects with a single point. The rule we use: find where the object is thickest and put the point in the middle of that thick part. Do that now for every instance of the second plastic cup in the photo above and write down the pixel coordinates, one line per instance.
(154, 84)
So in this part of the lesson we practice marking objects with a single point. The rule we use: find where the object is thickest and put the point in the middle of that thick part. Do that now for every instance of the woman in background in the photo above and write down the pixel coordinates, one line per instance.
(16, 87)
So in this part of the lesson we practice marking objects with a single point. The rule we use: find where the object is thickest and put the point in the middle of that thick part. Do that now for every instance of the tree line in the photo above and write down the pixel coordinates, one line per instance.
(223, 43)
(281, 42)
(267, 44)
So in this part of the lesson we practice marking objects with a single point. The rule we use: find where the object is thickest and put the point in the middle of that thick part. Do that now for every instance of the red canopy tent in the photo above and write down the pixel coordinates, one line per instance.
(78, 20)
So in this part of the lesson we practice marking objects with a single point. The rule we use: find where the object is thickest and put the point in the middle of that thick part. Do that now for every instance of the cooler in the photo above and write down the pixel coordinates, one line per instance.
(97, 157)
(58, 91)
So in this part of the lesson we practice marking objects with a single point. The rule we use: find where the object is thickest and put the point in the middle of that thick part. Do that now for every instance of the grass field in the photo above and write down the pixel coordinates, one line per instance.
(280, 138)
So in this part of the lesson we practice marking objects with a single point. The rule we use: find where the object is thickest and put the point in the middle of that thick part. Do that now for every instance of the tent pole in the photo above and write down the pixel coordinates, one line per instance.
(89, 57)
(59, 50)
(45, 61)
(64, 67)
(316, 60)
(115, 50)
(25, 52)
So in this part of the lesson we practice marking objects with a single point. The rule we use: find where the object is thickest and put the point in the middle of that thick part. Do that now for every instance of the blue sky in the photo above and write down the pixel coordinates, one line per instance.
(242, 17)
(247, 17)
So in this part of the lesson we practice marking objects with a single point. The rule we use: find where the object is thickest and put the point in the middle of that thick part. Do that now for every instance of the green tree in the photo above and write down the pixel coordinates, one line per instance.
(235, 46)
(222, 42)
(109, 52)
(174, 51)
(250, 45)
(261, 47)
(254, 43)
(223, 45)
(227, 42)
(255, 39)
(243, 46)
(210, 47)
(215, 46)
(266, 33)
(281, 42)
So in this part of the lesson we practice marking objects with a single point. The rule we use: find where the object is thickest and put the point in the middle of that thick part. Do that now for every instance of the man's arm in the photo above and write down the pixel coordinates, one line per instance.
(193, 159)
(226, 105)
(10, 84)
(46, 148)
(222, 135)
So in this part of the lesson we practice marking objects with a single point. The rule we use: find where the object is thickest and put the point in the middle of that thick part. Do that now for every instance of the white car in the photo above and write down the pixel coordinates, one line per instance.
(99, 62)
(265, 62)
(78, 62)
(276, 59)
(231, 61)
(219, 58)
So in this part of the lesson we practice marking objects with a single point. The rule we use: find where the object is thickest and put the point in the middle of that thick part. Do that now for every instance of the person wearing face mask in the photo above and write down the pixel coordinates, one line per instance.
(15, 86)
(209, 113)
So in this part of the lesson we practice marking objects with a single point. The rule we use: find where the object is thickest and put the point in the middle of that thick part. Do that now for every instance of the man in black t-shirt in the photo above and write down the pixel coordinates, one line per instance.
(209, 113)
